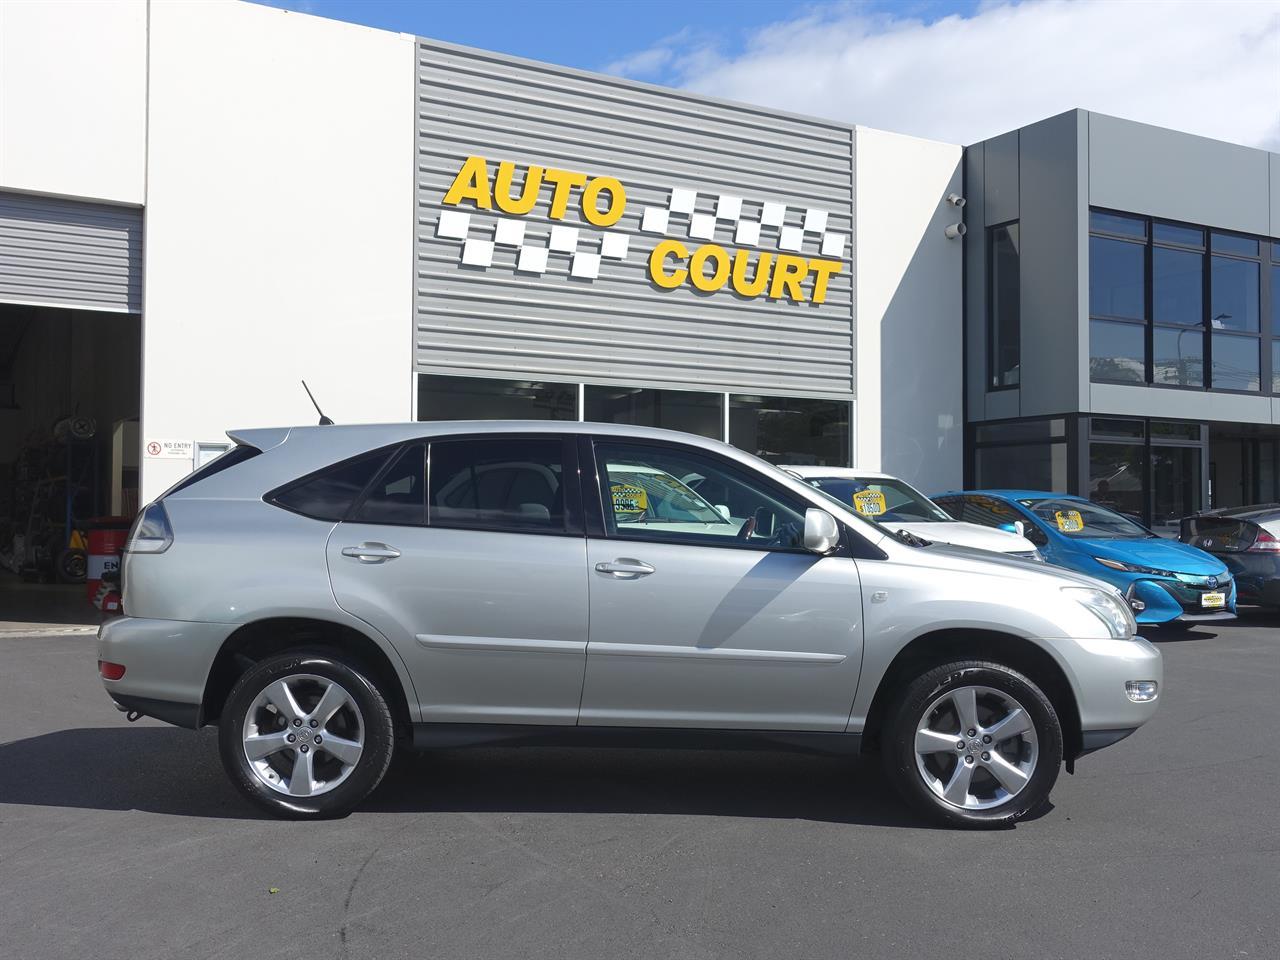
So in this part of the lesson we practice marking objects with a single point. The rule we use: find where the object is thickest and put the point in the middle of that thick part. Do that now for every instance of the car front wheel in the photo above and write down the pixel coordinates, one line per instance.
(306, 735)
(973, 744)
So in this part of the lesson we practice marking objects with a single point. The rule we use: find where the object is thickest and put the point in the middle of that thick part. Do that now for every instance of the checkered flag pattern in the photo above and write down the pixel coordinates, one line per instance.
(585, 248)
(769, 221)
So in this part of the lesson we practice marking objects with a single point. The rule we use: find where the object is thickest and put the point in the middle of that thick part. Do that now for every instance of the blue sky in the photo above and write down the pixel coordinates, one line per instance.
(592, 34)
(952, 70)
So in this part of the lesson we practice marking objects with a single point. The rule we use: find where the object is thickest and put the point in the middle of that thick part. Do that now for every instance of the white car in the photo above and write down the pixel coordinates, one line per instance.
(896, 504)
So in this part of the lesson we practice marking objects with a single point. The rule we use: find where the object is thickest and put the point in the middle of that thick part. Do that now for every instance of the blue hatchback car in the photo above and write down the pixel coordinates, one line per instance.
(1164, 580)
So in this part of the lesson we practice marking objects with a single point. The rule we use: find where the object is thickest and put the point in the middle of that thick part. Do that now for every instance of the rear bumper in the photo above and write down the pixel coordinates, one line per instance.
(166, 664)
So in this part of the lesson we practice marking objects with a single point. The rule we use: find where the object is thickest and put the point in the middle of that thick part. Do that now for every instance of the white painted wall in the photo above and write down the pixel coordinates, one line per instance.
(909, 310)
(73, 97)
(279, 234)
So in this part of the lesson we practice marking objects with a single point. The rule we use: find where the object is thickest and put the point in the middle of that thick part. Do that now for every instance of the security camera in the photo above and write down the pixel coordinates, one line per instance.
(955, 199)
(955, 230)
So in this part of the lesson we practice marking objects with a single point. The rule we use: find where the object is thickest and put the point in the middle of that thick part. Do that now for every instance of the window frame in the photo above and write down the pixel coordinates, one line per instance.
(992, 343)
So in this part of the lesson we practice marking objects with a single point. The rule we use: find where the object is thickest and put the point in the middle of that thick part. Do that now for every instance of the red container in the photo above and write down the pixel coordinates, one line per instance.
(107, 536)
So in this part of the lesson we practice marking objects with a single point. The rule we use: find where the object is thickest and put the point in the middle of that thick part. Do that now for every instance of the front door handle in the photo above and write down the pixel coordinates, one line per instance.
(624, 568)
(371, 552)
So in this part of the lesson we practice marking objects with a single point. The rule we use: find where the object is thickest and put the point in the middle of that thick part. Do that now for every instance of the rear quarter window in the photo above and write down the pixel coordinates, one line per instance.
(329, 493)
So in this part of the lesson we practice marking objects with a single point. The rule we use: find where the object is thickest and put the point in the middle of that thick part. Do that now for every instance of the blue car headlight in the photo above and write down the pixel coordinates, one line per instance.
(1133, 567)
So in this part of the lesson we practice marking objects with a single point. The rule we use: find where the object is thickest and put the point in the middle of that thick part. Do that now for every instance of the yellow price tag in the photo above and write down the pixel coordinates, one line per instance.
(629, 499)
(869, 503)
(1069, 521)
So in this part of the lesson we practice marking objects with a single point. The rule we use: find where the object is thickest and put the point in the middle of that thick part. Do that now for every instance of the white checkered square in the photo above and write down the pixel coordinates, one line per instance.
(453, 225)
(532, 260)
(728, 208)
(585, 265)
(682, 200)
(477, 253)
(655, 220)
(833, 244)
(773, 213)
(509, 233)
(748, 233)
(614, 246)
(792, 239)
(702, 226)
(815, 221)
(564, 239)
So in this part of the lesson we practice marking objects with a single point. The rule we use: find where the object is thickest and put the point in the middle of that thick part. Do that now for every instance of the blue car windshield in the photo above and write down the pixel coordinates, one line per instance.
(1080, 519)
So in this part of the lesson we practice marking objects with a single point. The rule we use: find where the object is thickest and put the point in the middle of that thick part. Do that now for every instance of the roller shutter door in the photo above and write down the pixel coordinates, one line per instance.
(67, 253)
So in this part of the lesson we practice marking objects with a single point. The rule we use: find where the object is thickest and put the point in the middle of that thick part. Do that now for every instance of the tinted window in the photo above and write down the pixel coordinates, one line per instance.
(686, 410)
(1116, 223)
(237, 454)
(791, 430)
(480, 398)
(1235, 293)
(498, 484)
(1177, 286)
(1004, 330)
(1178, 356)
(1117, 351)
(1235, 363)
(1171, 233)
(1116, 286)
(671, 494)
(399, 495)
(328, 494)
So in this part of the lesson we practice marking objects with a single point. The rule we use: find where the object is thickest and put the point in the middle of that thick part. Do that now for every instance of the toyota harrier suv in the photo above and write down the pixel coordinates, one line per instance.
(330, 595)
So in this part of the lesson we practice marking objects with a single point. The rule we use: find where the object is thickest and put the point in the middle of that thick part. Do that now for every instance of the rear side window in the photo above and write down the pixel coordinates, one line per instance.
(399, 495)
(237, 454)
(329, 493)
(498, 484)
(1219, 534)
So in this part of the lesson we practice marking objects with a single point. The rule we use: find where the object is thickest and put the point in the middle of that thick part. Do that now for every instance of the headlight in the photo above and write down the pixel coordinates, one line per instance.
(1107, 607)
(1133, 567)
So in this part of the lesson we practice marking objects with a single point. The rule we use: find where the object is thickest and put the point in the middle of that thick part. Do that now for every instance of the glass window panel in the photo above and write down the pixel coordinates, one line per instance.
(328, 495)
(1117, 223)
(1117, 473)
(498, 484)
(1275, 299)
(1233, 288)
(1170, 429)
(1275, 366)
(400, 495)
(1275, 250)
(1117, 428)
(1004, 329)
(1235, 363)
(1178, 356)
(1116, 284)
(1230, 243)
(687, 410)
(1040, 466)
(1172, 233)
(1117, 351)
(789, 430)
(1177, 282)
(481, 398)
(682, 496)
(1021, 431)
(1175, 487)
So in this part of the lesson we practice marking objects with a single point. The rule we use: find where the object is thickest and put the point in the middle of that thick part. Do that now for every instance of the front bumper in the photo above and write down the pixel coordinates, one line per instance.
(166, 664)
(1099, 670)
(1166, 600)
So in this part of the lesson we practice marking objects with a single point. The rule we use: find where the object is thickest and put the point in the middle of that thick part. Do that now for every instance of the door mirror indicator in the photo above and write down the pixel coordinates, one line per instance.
(821, 532)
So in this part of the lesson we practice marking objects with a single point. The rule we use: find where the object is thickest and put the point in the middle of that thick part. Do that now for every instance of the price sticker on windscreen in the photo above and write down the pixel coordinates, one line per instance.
(869, 503)
(1069, 521)
(628, 499)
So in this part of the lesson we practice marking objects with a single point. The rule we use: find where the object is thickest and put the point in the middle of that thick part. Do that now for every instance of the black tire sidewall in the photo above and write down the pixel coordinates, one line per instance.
(898, 742)
(379, 735)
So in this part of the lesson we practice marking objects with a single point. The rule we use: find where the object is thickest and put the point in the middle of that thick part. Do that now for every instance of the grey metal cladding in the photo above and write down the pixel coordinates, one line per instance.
(619, 326)
(70, 253)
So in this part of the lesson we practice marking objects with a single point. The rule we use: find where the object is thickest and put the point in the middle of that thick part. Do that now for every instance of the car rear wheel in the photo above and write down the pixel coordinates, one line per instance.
(973, 744)
(306, 735)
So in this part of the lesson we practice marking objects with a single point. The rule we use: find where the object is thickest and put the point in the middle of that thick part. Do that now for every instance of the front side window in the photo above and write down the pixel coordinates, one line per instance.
(683, 496)
(497, 484)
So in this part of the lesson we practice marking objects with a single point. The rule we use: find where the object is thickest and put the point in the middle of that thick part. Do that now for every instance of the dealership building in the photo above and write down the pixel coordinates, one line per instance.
(203, 204)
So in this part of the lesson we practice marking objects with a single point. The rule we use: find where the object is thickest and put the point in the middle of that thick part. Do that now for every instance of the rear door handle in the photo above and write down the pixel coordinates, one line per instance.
(624, 568)
(371, 552)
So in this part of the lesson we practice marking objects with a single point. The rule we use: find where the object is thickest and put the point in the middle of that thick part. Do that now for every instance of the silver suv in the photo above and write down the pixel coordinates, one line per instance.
(330, 595)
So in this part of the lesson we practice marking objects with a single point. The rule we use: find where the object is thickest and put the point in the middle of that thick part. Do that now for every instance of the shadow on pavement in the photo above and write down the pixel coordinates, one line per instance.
(177, 772)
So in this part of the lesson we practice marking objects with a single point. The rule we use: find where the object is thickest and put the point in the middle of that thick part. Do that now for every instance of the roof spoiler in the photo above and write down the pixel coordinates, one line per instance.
(263, 438)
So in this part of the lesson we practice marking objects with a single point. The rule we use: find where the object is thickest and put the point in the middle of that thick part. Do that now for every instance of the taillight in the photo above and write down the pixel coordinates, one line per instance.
(1265, 543)
(109, 670)
(151, 532)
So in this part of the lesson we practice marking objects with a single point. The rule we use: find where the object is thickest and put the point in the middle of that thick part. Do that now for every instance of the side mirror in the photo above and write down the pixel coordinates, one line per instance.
(1019, 528)
(821, 532)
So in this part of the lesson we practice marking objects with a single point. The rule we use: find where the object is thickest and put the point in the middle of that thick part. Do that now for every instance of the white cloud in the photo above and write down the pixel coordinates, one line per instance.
(1207, 68)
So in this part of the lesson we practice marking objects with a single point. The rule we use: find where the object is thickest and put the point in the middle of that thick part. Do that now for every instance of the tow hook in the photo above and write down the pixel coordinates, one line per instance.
(133, 716)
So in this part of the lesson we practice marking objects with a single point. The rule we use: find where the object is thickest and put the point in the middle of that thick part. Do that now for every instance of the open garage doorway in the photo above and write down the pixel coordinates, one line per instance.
(70, 387)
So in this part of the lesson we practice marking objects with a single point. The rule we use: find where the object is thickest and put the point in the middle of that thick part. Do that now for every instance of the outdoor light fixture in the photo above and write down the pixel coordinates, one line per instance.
(955, 231)
(955, 199)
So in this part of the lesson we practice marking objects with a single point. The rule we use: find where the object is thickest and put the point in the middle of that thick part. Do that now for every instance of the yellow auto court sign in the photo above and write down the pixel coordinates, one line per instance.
(672, 263)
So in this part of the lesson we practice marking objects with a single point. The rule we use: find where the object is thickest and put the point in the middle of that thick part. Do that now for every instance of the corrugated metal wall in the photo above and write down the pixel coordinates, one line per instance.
(619, 327)
(67, 253)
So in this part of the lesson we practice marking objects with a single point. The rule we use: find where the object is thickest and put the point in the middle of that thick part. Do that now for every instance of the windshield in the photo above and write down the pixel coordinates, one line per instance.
(880, 499)
(1080, 519)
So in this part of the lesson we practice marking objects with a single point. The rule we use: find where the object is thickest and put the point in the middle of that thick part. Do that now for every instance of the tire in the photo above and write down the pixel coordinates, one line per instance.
(1028, 761)
(258, 708)
(71, 566)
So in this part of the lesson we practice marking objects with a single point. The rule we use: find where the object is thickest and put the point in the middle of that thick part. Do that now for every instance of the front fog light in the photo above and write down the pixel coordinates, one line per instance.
(1141, 691)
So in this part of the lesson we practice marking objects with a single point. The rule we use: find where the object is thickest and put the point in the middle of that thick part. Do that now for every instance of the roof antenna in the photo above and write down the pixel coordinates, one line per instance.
(324, 421)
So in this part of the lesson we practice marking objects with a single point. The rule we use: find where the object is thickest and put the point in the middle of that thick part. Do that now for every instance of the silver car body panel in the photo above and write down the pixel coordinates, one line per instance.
(517, 628)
